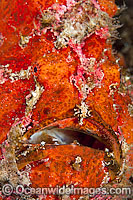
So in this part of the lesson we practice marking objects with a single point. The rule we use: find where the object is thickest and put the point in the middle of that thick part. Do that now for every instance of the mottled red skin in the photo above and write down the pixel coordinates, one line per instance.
(59, 168)
(12, 103)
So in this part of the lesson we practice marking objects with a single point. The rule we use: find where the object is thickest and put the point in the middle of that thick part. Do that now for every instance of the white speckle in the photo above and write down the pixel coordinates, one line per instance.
(43, 143)
(106, 150)
(82, 112)
(78, 159)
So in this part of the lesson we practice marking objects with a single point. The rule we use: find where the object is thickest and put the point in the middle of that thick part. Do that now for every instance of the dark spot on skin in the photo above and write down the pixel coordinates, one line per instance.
(35, 69)
(131, 179)
(46, 111)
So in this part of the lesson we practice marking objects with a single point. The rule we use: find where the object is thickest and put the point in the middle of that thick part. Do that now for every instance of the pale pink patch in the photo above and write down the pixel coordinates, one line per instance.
(44, 30)
(4, 149)
(57, 17)
(55, 33)
(29, 127)
(27, 120)
(98, 74)
(95, 4)
(60, 10)
(2, 78)
(103, 33)
(78, 49)
(79, 81)
(28, 96)
(70, 4)
(37, 28)
(119, 130)
(79, 77)
(76, 46)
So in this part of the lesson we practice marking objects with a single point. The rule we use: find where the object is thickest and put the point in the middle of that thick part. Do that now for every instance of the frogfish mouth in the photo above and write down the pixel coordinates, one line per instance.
(94, 133)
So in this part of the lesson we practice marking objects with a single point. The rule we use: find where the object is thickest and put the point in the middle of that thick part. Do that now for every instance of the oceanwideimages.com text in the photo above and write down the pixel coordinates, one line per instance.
(8, 189)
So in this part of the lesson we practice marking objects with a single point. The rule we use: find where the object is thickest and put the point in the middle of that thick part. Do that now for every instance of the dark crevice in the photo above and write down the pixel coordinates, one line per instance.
(131, 179)
(66, 136)
(124, 45)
